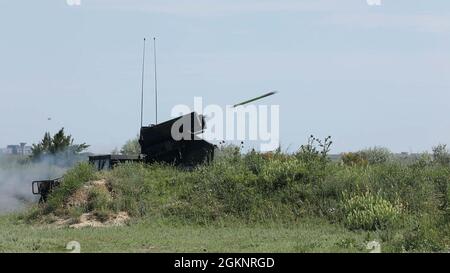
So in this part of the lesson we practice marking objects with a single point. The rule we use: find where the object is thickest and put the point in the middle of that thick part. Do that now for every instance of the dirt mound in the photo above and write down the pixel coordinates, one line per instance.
(81, 197)
(91, 220)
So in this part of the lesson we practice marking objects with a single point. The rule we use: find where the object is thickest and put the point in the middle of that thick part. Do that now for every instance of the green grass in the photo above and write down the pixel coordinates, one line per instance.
(259, 202)
(153, 235)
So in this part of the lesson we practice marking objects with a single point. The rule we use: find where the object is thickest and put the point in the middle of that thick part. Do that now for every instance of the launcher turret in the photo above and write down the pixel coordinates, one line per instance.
(176, 141)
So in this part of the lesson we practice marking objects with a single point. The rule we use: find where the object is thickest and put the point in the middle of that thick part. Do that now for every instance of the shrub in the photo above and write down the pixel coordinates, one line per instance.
(277, 174)
(230, 153)
(315, 150)
(422, 161)
(441, 155)
(131, 147)
(369, 212)
(98, 199)
(255, 161)
(376, 155)
(439, 178)
(353, 159)
(422, 234)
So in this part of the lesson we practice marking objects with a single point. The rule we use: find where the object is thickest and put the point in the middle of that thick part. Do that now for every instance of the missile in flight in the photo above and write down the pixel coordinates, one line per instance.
(254, 99)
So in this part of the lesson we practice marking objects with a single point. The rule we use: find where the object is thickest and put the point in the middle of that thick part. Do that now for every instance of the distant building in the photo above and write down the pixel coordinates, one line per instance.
(20, 149)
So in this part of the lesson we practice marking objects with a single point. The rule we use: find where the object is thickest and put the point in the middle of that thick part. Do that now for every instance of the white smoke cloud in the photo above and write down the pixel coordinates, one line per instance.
(16, 179)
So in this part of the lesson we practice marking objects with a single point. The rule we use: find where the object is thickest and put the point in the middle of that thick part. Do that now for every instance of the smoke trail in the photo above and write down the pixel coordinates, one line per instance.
(16, 177)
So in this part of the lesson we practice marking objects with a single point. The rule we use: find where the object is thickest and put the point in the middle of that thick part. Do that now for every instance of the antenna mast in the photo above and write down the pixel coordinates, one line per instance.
(156, 83)
(142, 85)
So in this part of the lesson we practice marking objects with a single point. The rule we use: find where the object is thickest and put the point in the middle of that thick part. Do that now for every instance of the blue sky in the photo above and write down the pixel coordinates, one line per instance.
(366, 75)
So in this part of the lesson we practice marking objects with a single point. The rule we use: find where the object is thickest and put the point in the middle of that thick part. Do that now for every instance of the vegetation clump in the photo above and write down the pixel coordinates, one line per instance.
(369, 212)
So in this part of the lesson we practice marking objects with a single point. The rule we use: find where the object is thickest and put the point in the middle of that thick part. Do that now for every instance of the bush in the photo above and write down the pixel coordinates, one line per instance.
(441, 155)
(277, 174)
(229, 153)
(369, 212)
(421, 235)
(376, 155)
(315, 150)
(353, 159)
(98, 199)
(131, 147)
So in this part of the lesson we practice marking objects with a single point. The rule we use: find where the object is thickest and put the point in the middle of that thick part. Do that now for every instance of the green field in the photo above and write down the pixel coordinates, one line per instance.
(159, 236)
